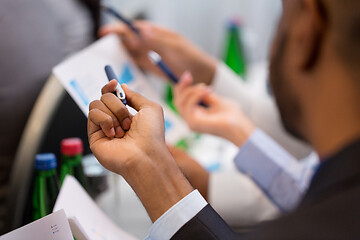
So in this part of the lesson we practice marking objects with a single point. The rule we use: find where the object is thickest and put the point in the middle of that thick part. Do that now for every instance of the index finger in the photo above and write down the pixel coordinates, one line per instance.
(110, 87)
(185, 81)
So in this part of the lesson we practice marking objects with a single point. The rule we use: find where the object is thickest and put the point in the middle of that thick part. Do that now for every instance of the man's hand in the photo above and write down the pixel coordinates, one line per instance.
(108, 121)
(221, 117)
(134, 147)
(176, 51)
(193, 171)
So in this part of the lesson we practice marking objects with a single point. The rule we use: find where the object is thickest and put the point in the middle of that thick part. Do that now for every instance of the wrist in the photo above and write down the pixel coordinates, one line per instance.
(158, 183)
(241, 132)
(199, 179)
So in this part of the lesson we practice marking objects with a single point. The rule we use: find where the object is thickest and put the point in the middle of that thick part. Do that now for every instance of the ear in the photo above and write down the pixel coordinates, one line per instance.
(308, 34)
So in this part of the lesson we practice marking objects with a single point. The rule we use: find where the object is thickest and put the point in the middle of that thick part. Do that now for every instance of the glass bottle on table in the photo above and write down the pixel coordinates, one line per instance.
(46, 185)
(168, 97)
(72, 151)
(234, 55)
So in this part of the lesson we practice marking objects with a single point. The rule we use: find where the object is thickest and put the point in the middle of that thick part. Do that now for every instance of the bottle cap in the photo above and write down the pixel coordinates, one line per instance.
(235, 22)
(71, 146)
(45, 161)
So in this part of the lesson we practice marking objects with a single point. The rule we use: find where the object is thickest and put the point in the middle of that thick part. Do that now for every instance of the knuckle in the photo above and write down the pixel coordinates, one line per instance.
(122, 112)
(108, 120)
(92, 112)
(93, 104)
(104, 97)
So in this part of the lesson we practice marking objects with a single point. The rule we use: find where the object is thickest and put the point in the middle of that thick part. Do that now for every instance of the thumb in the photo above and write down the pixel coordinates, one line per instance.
(136, 100)
(185, 81)
(210, 99)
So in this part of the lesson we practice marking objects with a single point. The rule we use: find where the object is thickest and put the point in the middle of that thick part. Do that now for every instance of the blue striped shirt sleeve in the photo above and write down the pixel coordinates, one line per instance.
(281, 177)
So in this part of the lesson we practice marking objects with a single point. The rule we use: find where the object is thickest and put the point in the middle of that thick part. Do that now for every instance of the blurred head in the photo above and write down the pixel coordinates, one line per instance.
(314, 68)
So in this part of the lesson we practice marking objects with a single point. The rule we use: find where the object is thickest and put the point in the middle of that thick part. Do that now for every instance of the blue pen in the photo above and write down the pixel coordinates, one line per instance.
(119, 92)
(154, 57)
(156, 60)
(121, 18)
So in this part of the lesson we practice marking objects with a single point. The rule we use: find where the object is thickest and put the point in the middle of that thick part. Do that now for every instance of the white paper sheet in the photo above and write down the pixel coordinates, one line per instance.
(77, 203)
(77, 230)
(52, 227)
(83, 76)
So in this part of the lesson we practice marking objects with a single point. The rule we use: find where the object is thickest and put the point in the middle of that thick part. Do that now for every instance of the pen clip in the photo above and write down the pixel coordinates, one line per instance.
(120, 92)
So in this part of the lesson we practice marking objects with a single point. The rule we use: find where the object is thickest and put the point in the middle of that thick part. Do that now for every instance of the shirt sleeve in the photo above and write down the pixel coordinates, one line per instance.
(257, 105)
(238, 200)
(177, 216)
(281, 177)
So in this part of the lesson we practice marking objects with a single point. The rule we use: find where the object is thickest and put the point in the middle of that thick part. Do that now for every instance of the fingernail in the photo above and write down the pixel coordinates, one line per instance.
(126, 124)
(112, 132)
(119, 132)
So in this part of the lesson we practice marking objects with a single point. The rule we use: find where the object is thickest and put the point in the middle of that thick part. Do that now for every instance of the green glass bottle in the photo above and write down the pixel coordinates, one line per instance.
(234, 55)
(72, 150)
(46, 185)
(168, 97)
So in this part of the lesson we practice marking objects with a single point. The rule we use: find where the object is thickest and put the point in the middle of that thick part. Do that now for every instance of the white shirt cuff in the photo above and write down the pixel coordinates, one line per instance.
(177, 216)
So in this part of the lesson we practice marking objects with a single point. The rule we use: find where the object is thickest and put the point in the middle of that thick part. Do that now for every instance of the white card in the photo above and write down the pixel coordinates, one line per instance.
(54, 226)
(77, 203)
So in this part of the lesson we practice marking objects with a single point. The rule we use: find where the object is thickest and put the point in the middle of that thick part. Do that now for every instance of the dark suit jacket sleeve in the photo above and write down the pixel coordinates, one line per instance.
(207, 224)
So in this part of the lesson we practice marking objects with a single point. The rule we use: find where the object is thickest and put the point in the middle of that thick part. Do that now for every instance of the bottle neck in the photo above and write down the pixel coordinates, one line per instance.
(46, 173)
(72, 160)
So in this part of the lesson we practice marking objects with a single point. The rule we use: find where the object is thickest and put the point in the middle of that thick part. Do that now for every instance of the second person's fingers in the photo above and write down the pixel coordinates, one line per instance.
(196, 96)
(182, 99)
(128, 36)
(185, 81)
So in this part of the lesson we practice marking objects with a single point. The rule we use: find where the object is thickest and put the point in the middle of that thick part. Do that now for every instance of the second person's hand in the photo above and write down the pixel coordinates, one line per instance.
(221, 117)
(177, 52)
